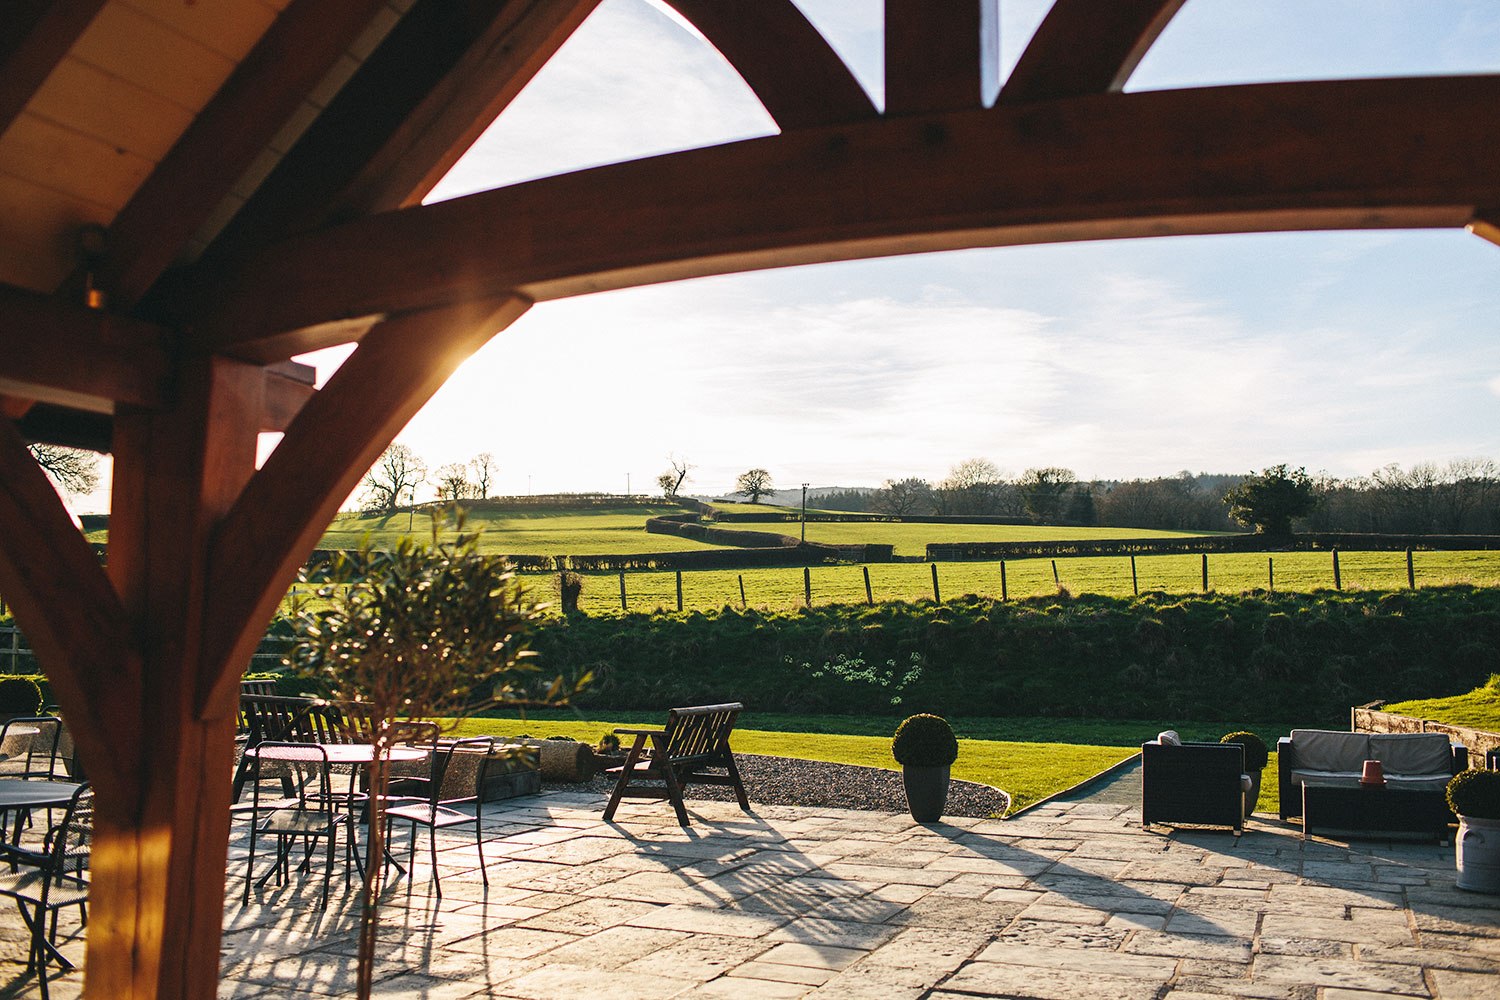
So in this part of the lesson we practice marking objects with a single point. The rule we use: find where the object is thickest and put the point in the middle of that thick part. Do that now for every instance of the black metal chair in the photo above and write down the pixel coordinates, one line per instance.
(1193, 783)
(51, 878)
(435, 811)
(314, 813)
(29, 755)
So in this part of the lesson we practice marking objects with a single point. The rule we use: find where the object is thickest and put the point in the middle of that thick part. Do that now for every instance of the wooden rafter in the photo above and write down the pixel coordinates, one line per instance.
(82, 358)
(300, 47)
(794, 72)
(1086, 47)
(72, 618)
(935, 52)
(34, 37)
(386, 132)
(336, 437)
(1343, 154)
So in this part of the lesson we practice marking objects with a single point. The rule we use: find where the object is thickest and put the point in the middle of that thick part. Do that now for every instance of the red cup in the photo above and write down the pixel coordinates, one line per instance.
(1373, 774)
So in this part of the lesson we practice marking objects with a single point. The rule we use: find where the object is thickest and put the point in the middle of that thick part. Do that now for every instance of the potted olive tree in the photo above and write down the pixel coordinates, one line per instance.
(926, 748)
(1256, 757)
(1474, 796)
(422, 632)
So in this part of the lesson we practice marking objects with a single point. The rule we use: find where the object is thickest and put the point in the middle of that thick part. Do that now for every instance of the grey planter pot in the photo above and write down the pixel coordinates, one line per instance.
(1252, 797)
(926, 791)
(1478, 850)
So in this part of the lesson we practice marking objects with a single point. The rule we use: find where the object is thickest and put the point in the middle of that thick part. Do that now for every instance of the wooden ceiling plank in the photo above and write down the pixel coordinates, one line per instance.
(794, 72)
(1087, 47)
(430, 87)
(63, 601)
(266, 88)
(934, 54)
(59, 352)
(34, 38)
(1275, 155)
(336, 437)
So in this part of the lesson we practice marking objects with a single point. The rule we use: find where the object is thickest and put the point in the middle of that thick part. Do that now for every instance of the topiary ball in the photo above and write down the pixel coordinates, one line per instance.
(1475, 794)
(20, 696)
(1256, 754)
(925, 741)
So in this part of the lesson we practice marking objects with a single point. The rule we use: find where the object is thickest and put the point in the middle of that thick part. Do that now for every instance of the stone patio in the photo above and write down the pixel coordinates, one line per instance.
(1073, 900)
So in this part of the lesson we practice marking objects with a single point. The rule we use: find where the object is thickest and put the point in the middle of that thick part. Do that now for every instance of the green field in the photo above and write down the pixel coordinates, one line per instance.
(1110, 575)
(607, 531)
(1478, 709)
(913, 539)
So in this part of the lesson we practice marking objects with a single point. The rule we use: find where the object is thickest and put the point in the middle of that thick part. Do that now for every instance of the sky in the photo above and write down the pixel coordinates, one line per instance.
(1339, 352)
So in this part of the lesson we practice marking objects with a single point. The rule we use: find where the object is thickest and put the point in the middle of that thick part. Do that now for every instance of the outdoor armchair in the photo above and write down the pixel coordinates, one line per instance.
(1193, 783)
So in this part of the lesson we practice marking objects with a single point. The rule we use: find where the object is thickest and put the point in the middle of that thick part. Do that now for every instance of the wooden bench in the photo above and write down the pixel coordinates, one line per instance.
(694, 739)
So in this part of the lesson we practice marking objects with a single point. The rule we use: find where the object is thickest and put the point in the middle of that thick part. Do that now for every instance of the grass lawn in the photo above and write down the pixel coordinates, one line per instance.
(1039, 758)
(606, 531)
(913, 539)
(1479, 709)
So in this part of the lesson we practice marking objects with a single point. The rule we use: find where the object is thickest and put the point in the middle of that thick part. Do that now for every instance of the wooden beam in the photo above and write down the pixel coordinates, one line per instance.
(387, 132)
(286, 392)
(34, 37)
(798, 77)
(81, 358)
(1087, 47)
(306, 40)
(63, 601)
(44, 423)
(1342, 154)
(330, 445)
(935, 54)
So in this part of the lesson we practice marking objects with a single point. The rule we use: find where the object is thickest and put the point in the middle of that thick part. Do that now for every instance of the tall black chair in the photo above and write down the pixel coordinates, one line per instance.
(1199, 784)
(47, 880)
(435, 810)
(314, 813)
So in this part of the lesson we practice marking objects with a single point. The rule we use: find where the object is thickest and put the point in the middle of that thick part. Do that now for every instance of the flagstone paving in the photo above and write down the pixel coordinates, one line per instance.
(1072, 900)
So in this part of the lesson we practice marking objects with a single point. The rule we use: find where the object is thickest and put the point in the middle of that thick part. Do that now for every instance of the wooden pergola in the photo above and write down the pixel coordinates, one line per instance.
(192, 194)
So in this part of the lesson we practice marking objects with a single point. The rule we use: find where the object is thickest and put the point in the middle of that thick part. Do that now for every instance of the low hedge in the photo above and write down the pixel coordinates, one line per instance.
(1319, 542)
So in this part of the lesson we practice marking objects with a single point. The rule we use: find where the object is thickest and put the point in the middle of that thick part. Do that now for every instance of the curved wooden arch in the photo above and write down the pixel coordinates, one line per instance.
(1389, 153)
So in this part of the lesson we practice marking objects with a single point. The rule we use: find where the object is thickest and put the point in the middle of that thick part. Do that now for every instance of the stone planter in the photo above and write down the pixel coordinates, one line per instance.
(926, 790)
(1252, 796)
(1478, 851)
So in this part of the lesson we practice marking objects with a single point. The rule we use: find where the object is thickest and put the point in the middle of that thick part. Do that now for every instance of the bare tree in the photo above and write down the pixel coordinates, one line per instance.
(671, 481)
(754, 484)
(393, 479)
(483, 465)
(453, 482)
(73, 470)
(904, 496)
(973, 486)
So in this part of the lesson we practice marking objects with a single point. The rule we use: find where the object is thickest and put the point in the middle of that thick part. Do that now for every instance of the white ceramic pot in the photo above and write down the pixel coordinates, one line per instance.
(1478, 848)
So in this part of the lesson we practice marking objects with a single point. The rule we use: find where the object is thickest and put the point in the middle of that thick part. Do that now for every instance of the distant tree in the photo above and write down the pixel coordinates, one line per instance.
(1044, 491)
(1272, 500)
(483, 465)
(852, 500)
(754, 484)
(453, 482)
(393, 479)
(671, 481)
(73, 470)
(973, 486)
(903, 496)
(1080, 507)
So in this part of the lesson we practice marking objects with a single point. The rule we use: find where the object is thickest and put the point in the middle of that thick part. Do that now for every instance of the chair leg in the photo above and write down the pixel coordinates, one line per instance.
(479, 846)
(674, 793)
(739, 786)
(437, 882)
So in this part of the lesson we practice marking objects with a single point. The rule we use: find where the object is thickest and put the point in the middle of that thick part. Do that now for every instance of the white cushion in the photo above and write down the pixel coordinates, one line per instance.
(1169, 738)
(1412, 753)
(1346, 778)
(1435, 782)
(1330, 750)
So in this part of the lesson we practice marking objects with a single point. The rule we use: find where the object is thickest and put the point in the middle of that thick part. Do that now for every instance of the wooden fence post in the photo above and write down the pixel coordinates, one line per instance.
(679, 590)
(1205, 572)
(1003, 595)
(743, 605)
(807, 585)
(1411, 576)
(622, 591)
(1135, 586)
(1055, 581)
(936, 596)
(1270, 574)
(1338, 582)
(869, 595)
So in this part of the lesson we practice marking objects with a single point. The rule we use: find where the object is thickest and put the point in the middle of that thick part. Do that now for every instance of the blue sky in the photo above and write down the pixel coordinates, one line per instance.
(1341, 352)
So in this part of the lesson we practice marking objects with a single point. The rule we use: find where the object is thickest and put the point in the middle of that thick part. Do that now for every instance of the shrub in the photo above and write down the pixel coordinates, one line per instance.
(1475, 793)
(1256, 755)
(20, 696)
(609, 743)
(925, 741)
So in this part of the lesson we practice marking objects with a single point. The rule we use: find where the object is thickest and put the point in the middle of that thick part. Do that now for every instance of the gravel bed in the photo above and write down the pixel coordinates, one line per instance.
(788, 781)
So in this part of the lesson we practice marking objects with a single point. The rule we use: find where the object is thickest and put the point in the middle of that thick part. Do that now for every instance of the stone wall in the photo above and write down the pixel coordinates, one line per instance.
(1479, 741)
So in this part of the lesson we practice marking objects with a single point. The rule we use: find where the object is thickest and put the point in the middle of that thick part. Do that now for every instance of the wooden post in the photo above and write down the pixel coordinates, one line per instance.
(1055, 581)
(743, 605)
(1271, 574)
(1411, 576)
(1135, 586)
(679, 590)
(869, 595)
(1338, 582)
(936, 596)
(807, 585)
(622, 591)
(1003, 595)
(1205, 572)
